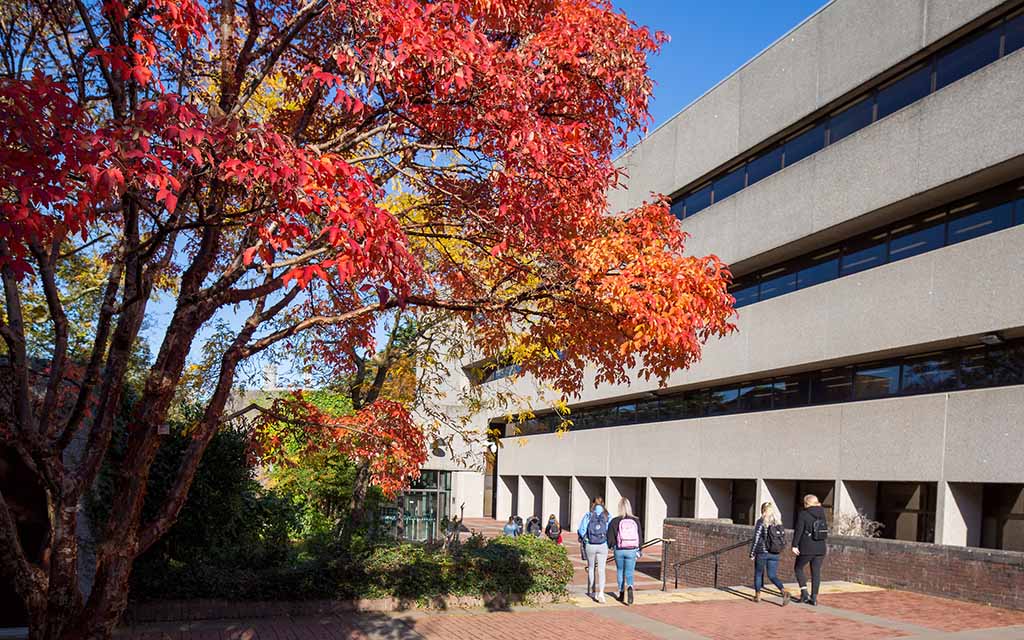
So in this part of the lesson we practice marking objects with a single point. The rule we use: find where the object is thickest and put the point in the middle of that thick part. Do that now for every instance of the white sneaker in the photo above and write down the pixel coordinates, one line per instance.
(600, 598)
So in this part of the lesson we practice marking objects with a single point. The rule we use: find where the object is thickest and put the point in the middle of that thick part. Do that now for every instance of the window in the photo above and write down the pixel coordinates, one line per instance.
(1020, 211)
(876, 382)
(678, 208)
(730, 183)
(791, 391)
(864, 254)
(930, 373)
(907, 509)
(1014, 34)
(967, 58)
(764, 165)
(698, 201)
(904, 91)
(626, 414)
(1006, 364)
(832, 385)
(916, 238)
(805, 144)
(981, 222)
(1002, 517)
(648, 411)
(681, 406)
(756, 397)
(745, 293)
(775, 285)
(851, 120)
(821, 268)
(722, 401)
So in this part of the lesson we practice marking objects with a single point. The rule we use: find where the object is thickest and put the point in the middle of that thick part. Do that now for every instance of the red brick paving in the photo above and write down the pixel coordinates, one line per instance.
(546, 625)
(725, 620)
(926, 611)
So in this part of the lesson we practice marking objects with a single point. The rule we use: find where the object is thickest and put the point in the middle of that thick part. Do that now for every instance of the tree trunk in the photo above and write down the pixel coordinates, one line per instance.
(357, 504)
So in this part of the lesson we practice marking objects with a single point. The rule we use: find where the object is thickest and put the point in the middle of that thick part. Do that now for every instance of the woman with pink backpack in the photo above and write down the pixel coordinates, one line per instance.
(626, 538)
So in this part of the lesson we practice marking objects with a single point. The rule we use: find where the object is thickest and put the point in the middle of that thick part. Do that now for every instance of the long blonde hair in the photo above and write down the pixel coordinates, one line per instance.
(625, 508)
(811, 500)
(769, 514)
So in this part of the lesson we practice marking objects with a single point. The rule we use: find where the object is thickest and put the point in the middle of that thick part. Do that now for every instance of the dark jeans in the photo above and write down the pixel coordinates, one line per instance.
(768, 561)
(815, 562)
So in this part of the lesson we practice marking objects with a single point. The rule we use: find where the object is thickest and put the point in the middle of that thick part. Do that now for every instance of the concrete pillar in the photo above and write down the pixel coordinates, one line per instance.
(713, 498)
(611, 496)
(508, 488)
(780, 492)
(556, 499)
(468, 489)
(958, 514)
(579, 502)
(660, 494)
(530, 496)
(854, 496)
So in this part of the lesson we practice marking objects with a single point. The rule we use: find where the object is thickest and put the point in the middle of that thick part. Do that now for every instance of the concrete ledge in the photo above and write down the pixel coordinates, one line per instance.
(195, 610)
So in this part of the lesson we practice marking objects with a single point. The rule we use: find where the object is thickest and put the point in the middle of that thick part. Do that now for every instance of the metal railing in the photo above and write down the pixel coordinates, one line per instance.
(716, 554)
(649, 543)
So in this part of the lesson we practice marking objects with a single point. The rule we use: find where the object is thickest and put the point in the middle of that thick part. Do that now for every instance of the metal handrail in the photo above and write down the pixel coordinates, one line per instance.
(649, 543)
(704, 556)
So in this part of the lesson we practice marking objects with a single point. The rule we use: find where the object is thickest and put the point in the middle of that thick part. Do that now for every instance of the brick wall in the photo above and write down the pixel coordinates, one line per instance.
(981, 575)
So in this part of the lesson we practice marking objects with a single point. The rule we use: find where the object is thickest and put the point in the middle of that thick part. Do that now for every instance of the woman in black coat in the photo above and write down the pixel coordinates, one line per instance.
(809, 546)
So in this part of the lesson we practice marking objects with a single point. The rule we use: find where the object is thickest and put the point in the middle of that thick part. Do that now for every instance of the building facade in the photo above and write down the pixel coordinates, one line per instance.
(864, 178)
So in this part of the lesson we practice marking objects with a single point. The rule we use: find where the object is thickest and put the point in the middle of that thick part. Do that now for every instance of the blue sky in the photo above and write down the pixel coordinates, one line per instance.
(710, 40)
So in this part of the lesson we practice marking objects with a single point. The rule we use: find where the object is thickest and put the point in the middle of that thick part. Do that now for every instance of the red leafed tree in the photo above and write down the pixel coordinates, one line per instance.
(314, 165)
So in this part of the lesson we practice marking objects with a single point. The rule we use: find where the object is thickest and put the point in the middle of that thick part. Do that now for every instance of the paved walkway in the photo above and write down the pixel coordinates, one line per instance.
(847, 612)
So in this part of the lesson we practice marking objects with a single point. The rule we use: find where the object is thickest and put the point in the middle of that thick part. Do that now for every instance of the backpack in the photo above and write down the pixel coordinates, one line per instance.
(629, 534)
(819, 530)
(597, 529)
(553, 529)
(774, 538)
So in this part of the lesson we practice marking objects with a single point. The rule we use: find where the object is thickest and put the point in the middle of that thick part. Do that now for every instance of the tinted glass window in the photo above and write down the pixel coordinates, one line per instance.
(648, 411)
(864, 254)
(832, 385)
(698, 201)
(910, 88)
(776, 285)
(913, 239)
(929, 374)
(822, 268)
(791, 391)
(681, 407)
(1020, 211)
(627, 414)
(723, 401)
(764, 165)
(974, 369)
(876, 382)
(744, 296)
(967, 58)
(981, 222)
(729, 184)
(756, 397)
(1007, 364)
(678, 207)
(853, 119)
(1014, 34)
(805, 144)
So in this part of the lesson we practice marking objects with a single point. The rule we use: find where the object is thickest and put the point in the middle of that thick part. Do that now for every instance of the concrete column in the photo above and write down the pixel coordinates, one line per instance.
(468, 489)
(507, 487)
(657, 508)
(782, 493)
(854, 496)
(958, 514)
(579, 502)
(713, 498)
(556, 499)
(529, 496)
(611, 496)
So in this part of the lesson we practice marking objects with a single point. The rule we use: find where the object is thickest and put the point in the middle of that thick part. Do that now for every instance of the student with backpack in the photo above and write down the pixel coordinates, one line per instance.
(593, 533)
(553, 530)
(510, 528)
(769, 541)
(533, 527)
(809, 546)
(626, 538)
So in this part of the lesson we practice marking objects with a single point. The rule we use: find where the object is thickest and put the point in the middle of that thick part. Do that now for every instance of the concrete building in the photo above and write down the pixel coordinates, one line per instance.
(864, 177)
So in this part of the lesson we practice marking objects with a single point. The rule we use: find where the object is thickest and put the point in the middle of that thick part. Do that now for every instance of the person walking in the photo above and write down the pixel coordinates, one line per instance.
(533, 527)
(809, 546)
(593, 534)
(510, 528)
(625, 537)
(553, 530)
(769, 541)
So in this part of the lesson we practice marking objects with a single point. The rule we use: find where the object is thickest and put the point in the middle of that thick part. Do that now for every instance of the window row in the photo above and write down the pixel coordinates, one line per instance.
(952, 370)
(980, 215)
(952, 63)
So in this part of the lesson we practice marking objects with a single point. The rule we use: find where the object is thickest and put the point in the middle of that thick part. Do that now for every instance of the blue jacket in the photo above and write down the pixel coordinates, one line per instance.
(585, 522)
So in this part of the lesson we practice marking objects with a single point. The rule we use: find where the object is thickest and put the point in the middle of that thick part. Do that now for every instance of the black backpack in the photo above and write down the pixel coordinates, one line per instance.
(774, 538)
(819, 530)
